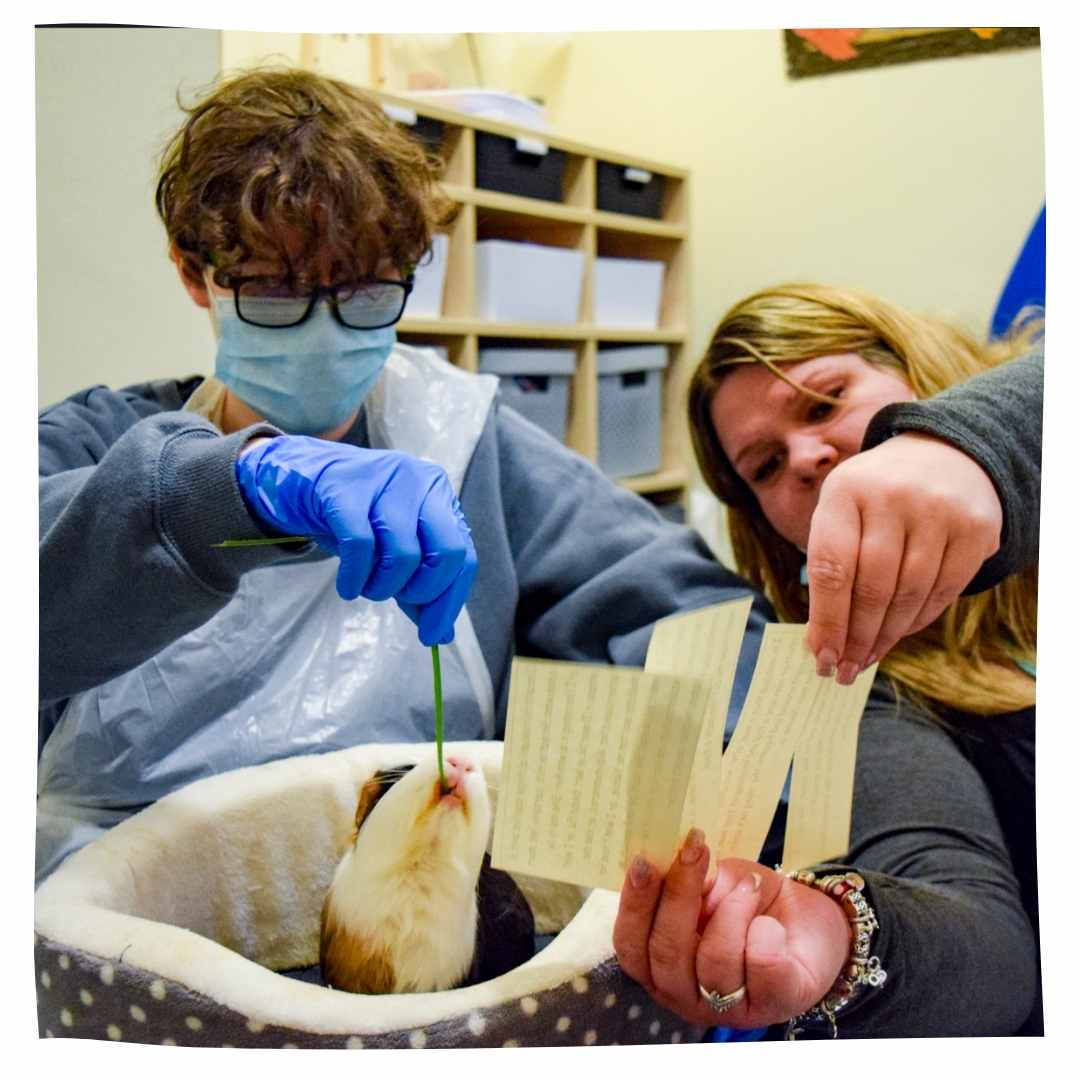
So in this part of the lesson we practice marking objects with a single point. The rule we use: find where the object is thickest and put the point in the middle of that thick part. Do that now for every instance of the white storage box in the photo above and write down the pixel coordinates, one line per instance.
(517, 282)
(425, 300)
(628, 293)
(535, 382)
(629, 409)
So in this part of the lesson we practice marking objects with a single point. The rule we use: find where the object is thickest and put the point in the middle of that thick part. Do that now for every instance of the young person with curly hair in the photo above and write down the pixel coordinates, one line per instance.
(296, 211)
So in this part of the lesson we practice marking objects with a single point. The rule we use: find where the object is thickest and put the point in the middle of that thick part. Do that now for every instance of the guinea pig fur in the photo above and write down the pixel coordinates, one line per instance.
(401, 913)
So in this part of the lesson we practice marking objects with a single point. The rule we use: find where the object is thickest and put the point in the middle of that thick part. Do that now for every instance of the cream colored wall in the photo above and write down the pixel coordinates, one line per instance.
(110, 307)
(918, 181)
(246, 48)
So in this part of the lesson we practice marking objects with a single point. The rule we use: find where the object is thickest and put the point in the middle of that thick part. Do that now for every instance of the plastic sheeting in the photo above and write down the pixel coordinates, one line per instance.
(286, 667)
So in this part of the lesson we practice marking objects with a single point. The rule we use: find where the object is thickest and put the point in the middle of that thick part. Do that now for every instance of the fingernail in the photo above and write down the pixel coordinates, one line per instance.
(826, 663)
(640, 872)
(692, 848)
(870, 662)
(751, 883)
(846, 673)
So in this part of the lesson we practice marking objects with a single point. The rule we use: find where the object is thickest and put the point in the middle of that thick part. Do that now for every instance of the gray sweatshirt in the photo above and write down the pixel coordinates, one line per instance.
(996, 418)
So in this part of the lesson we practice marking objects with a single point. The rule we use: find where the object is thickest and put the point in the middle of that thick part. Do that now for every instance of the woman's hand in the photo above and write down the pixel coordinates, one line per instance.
(749, 926)
(898, 533)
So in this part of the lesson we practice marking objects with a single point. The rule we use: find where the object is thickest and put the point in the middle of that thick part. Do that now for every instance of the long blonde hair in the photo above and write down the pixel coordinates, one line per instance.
(966, 659)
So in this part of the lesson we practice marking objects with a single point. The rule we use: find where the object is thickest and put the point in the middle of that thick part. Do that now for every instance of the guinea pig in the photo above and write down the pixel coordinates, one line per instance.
(401, 913)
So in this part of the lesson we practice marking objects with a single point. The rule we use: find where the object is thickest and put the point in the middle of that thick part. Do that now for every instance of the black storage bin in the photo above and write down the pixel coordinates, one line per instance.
(622, 189)
(429, 131)
(506, 164)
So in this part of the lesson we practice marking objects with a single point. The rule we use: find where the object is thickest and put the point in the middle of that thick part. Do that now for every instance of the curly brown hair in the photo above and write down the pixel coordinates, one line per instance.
(284, 165)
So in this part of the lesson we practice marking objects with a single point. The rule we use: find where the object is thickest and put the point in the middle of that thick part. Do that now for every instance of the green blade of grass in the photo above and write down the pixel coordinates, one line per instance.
(437, 673)
(436, 667)
(260, 543)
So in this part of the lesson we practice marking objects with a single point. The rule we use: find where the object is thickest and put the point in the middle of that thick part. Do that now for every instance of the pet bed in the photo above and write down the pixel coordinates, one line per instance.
(174, 926)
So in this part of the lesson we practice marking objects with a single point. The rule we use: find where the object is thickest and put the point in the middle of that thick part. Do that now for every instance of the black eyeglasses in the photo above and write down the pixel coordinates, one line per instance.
(367, 305)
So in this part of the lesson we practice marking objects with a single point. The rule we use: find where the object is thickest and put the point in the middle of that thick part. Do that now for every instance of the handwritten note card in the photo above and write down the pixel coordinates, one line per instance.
(601, 762)
(823, 779)
(789, 710)
(704, 644)
(596, 759)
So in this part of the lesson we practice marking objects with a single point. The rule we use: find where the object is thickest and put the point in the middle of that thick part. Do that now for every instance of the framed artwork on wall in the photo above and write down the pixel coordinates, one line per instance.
(825, 51)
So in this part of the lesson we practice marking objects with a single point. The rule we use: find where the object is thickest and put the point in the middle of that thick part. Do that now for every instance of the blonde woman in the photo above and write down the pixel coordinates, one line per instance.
(926, 511)
(796, 382)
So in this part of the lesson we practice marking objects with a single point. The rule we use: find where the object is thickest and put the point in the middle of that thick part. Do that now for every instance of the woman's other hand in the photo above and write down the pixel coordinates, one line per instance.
(898, 533)
(749, 926)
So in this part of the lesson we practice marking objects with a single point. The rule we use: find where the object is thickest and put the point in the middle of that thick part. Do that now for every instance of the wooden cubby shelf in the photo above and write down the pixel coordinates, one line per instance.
(526, 208)
(574, 222)
(551, 331)
(668, 480)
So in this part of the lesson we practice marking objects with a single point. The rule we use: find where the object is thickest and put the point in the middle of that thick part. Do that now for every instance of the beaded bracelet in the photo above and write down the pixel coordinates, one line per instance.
(861, 969)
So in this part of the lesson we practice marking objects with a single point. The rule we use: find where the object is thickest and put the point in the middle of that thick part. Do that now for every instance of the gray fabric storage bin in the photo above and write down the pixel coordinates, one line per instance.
(535, 382)
(629, 395)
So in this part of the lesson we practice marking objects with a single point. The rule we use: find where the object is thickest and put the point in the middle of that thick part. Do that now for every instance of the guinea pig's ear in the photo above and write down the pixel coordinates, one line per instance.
(379, 784)
(370, 794)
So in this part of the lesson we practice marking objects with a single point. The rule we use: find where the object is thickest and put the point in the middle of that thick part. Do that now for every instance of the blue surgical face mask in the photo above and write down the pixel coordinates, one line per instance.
(304, 379)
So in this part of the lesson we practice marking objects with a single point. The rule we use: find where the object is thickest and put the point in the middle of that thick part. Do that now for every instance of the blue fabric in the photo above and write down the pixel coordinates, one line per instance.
(722, 1034)
(1027, 282)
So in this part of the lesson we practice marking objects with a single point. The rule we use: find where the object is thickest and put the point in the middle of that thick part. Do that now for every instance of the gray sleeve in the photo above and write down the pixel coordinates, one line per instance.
(955, 942)
(581, 566)
(596, 564)
(130, 506)
(996, 419)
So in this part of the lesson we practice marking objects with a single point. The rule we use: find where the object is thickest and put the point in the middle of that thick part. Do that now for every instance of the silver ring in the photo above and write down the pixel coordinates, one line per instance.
(722, 1002)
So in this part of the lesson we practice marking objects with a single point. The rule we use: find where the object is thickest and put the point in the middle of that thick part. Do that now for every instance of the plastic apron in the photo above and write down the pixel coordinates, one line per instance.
(286, 667)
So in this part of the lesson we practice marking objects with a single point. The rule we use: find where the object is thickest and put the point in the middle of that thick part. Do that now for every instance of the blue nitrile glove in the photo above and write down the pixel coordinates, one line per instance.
(392, 520)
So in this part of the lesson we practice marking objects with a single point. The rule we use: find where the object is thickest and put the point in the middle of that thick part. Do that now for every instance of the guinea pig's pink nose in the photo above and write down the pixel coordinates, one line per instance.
(464, 764)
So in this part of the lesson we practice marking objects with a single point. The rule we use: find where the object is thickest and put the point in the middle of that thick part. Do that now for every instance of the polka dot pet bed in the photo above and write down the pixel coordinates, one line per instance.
(174, 928)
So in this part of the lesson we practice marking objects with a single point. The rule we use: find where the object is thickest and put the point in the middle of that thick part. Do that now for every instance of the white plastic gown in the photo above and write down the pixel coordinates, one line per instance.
(286, 667)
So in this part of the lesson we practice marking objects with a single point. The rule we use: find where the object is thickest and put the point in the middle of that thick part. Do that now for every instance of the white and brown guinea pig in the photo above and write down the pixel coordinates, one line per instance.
(401, 915)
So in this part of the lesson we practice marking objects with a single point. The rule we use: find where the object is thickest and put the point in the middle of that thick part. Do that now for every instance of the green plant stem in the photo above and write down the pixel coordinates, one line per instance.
(261, 543)
(437, 672)
(436, 668)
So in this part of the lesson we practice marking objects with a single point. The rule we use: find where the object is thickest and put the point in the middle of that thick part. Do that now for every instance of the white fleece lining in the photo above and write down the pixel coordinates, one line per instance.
(218, 883)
